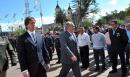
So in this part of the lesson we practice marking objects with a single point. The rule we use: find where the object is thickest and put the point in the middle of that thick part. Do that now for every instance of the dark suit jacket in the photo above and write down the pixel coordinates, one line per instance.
(119, 40)
(27, 52)
(57, 43)
(68, 47)
(48, 42)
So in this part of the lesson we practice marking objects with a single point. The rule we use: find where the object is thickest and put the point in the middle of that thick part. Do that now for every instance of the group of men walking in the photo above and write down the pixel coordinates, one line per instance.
(35, 51)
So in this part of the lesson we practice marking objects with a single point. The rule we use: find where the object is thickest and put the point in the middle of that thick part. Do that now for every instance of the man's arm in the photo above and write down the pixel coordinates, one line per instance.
(64, 46)
(11, 53)
(21, 54)
(45, 52)
(124, 37)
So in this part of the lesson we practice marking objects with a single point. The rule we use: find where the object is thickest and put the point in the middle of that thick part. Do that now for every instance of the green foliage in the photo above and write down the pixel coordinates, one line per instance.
(60, 17)
(120, 16)
(120, 22)
(19, 32)
(85, 7)
(87, 23)
(100, 22)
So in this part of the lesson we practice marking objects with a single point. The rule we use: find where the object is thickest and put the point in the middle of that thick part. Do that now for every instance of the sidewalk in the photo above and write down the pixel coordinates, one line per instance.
(55, 69)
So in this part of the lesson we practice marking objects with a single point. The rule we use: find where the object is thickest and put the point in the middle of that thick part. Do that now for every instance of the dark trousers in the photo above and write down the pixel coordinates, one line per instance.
(109, 51)
(39, 71)
(3, 74)
(114, 55)
(84, 54)
(127, 53)
(99, 53)
(58, 53)
(50, 53)
(66, 67)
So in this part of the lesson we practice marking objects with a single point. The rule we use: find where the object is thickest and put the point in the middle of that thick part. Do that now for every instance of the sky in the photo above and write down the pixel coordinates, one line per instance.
(13, 11)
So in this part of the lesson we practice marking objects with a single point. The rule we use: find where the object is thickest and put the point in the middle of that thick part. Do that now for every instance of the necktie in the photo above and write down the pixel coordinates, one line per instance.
(33, 38)
(39, 53)
(74, 36)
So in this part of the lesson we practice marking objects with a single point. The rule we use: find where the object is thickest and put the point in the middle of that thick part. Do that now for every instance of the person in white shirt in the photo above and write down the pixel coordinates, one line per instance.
(83, 43)
(108, 44)
(98, 40)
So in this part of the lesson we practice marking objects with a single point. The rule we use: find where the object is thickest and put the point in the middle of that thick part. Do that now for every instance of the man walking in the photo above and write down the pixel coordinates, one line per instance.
(32, 54)
(69, 51)
(119, 40)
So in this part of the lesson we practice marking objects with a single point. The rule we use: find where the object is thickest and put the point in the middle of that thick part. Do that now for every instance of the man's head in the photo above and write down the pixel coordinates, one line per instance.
(30, 23)
(114, 24)
(81, 30)
(96, 29)
(128, 26)
(69, 26)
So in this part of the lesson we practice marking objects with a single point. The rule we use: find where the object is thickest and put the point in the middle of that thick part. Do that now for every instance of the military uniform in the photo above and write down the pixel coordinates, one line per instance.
(6, 46)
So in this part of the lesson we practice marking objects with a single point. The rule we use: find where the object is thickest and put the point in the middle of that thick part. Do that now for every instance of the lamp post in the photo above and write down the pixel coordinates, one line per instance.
(0, 29)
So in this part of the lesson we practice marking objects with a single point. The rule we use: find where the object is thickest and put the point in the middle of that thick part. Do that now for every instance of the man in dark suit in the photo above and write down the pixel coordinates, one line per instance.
(49, 44)
(119, 40)
(57, 46)
(32, 54)
(69, 51)
(5, 45)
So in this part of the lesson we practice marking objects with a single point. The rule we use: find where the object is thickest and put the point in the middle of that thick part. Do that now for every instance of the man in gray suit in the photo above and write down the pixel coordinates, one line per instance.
(69, 51)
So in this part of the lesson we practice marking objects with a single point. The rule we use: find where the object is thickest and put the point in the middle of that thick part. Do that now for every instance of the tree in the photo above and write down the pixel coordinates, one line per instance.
(19, 32)
(101, 21)
(87, 23)
(84, 7)
(60, 17)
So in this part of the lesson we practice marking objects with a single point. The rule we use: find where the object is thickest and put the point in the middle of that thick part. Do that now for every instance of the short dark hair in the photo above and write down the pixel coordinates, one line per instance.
(115, 21)
(97, 28)
(27, 19)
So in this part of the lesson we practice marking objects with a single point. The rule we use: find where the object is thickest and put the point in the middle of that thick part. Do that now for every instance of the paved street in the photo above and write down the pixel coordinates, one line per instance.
(55, 69)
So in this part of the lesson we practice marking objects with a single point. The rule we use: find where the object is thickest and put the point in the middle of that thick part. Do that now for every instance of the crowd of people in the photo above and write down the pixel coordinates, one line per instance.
(35, 51)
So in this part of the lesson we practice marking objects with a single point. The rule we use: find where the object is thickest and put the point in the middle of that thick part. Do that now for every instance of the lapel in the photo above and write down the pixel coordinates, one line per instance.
(75, 37)
(116, 32)
(72, 36)
(30, 39)
(37, 38)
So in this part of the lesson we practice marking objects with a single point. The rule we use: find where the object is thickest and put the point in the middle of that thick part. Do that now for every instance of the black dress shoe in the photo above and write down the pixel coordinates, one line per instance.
(124, 75)
(103, 69)
(113, 71)
(58, 62)
(96, 69)
(83, 67)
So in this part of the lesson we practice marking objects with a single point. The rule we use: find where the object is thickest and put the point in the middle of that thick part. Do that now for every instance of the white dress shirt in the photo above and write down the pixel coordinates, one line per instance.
(33, 37)
(83, 39)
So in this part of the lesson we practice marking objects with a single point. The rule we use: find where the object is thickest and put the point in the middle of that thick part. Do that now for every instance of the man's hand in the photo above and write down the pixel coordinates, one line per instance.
(26, 73)
(74, 58)
(46, 66)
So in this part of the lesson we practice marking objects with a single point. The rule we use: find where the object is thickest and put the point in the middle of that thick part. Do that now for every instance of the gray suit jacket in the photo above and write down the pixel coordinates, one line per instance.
(69, 47)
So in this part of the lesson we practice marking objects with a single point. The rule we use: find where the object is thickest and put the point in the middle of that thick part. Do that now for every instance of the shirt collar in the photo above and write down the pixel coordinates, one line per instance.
(30, 32)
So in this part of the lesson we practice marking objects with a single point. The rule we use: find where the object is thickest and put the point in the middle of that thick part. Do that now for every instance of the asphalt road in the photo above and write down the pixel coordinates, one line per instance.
(55, 69)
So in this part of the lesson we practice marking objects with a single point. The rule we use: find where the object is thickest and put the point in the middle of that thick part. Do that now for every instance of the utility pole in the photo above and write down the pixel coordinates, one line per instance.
(41, 14)
(0, 29)
(79, 13)
(27, 12)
